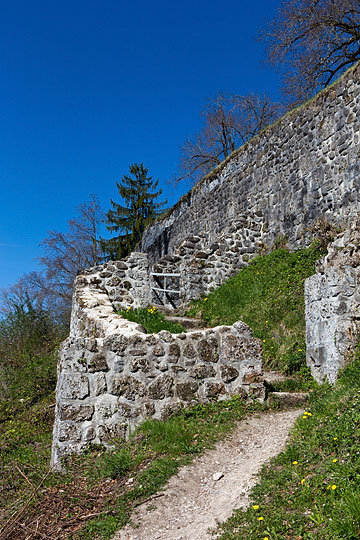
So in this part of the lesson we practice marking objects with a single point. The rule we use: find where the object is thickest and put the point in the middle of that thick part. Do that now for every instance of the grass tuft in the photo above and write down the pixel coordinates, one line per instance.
(151, 320)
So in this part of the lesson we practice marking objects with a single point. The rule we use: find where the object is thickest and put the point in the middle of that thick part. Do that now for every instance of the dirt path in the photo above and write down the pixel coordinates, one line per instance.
(195, 499)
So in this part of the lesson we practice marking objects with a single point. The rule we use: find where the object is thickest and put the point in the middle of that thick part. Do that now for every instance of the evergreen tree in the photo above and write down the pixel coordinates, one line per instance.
(139, 194)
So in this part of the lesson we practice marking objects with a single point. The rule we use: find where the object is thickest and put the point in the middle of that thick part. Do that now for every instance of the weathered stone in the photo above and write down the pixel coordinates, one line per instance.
(187, 390)
(69, 432)
(108, 432)
(159, 350)
(116, 343)
(139, 364)
(252, 377)
(228, 373)
(208, 350)
(100, 384)
(97, 362)
(90, 434)
(76, 412)
(214, 389)
(189, 351)
(161, 387)
(73, 386)
(149, 408)
(127, 387)
(174, 353)
(202, 371)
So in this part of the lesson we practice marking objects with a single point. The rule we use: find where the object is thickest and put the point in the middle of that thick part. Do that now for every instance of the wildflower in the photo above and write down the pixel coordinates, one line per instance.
(333, 487)
(305, 417)
(335, 438)
(260, 518)
(295, 462)
(205, 299)
(300, 350)
(256, 507)
(334, 460)
(303, 481)
(264, 340)
(266, 538)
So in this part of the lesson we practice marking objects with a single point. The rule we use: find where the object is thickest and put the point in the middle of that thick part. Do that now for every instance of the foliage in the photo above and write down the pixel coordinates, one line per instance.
(228, 122)
(273, 283)
(313, 41)
(312, 489)
(65, 255)
(139, 194)
(28, 343)
(151, 320)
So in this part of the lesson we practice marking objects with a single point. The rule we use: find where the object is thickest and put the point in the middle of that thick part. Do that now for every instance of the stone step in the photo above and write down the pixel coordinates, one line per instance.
(288, 399)
(189, 323)
(274, 376)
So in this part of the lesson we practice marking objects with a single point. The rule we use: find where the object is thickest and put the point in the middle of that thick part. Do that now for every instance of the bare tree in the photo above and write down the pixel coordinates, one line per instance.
(228, 122)
(312, 42)
(66, 254)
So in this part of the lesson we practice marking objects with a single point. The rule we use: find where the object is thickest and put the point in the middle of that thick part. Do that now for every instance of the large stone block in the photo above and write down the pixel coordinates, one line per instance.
(73, 386)
(127, 387)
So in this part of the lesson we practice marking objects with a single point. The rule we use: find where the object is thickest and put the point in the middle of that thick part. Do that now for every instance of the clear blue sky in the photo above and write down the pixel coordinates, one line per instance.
(89, 87)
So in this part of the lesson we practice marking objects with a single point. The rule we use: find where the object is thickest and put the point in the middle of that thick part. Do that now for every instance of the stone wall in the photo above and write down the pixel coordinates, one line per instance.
(111, 375)
(304, 167)
(332, 307)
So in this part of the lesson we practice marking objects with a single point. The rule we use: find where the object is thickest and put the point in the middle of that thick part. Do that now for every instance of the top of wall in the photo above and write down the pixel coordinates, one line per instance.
(274, 151)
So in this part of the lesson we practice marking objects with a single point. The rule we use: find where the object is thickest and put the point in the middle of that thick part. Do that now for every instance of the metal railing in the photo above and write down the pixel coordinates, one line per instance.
(161, 291)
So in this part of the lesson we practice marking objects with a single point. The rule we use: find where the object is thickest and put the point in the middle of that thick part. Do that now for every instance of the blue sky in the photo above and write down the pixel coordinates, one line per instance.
(89, 87)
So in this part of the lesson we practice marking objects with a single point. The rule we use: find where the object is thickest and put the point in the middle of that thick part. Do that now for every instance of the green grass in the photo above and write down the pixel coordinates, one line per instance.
(318, 496)
(268, 295)
(151, 320)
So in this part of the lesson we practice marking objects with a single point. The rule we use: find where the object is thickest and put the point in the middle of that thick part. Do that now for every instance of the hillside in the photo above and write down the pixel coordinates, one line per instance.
(96, 496)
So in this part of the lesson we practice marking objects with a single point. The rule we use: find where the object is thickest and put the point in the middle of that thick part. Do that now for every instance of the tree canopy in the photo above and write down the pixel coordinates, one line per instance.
(229, 120)
(312, 42)
(139, 194)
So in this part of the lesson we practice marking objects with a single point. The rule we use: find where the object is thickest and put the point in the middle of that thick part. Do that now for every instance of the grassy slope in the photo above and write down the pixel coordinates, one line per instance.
(311, 491)
(269, 296)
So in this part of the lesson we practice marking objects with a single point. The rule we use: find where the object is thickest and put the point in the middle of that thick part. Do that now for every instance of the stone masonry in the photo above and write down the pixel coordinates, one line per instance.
(304, 167)
(112, 375)
(332, 306)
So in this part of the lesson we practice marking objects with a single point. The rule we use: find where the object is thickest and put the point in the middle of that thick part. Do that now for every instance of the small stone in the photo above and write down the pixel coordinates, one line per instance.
(217, 476)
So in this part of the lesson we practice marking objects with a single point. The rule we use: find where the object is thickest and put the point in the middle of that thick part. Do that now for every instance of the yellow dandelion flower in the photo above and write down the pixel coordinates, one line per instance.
(335, 438)
(295, 462)
(264, 340)
(333, 487)
(260, 518)
(300, 350)
(305, 417)
(256, 507)
(266, 538)
(334, 460)
(302, 481)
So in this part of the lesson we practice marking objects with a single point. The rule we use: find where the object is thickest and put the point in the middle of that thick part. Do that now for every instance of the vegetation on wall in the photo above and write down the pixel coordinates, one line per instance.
(151, 320)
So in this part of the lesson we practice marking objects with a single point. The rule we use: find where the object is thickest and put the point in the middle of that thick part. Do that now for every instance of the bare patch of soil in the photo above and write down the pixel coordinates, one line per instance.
(206, 492)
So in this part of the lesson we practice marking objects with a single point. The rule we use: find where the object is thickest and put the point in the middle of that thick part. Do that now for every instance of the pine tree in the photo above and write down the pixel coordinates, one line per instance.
(139, 194)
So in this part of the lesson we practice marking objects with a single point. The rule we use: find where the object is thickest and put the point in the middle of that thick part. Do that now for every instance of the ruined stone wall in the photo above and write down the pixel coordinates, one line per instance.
(111, 375)
(332, 307)
(304, 167)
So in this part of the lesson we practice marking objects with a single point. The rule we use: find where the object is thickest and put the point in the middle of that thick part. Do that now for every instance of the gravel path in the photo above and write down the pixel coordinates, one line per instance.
(206, 492)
